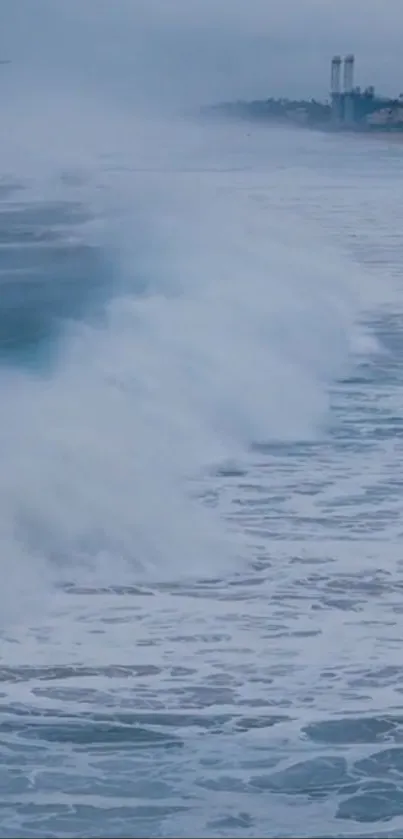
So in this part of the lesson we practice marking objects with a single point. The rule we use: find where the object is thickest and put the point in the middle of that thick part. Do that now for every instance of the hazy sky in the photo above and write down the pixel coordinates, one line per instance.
(186, 51)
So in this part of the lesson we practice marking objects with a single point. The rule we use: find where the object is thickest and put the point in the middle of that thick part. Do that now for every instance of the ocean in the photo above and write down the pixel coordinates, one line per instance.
(201, 517)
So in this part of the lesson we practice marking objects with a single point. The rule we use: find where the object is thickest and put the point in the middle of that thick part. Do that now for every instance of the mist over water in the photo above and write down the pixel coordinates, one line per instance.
(200, 355)
(220, 325)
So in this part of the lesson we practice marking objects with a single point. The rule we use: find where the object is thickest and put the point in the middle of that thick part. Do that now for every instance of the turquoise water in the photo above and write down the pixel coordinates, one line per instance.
(201, 493)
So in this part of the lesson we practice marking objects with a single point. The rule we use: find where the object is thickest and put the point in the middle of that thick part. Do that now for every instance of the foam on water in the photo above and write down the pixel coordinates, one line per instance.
(224, 327)
(178, 568)
(199, 491)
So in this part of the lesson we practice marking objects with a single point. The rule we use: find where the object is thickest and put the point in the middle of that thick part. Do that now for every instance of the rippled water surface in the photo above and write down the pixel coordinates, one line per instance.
(202, 495)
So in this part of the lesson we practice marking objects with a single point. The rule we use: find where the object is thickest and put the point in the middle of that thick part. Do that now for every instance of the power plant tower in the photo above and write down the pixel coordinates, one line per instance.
(348, 74)
(335, 76)
(335, 88)
(348, 89)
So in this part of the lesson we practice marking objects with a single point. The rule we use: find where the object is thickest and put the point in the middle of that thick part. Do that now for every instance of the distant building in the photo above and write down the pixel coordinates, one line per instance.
(353, 108)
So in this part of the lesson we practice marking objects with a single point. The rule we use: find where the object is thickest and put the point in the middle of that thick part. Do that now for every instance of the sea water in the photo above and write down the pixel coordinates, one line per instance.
(201, 516)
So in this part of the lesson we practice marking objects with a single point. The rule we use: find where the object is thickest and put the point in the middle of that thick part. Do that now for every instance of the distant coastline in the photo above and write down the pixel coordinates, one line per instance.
(349, 108)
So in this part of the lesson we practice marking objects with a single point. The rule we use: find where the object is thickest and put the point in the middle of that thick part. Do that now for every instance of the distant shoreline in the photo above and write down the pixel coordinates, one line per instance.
(395, 136)
(386, 136)
(315, 117)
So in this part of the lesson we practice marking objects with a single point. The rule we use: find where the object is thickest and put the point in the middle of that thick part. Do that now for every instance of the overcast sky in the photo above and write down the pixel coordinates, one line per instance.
(191, 51)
